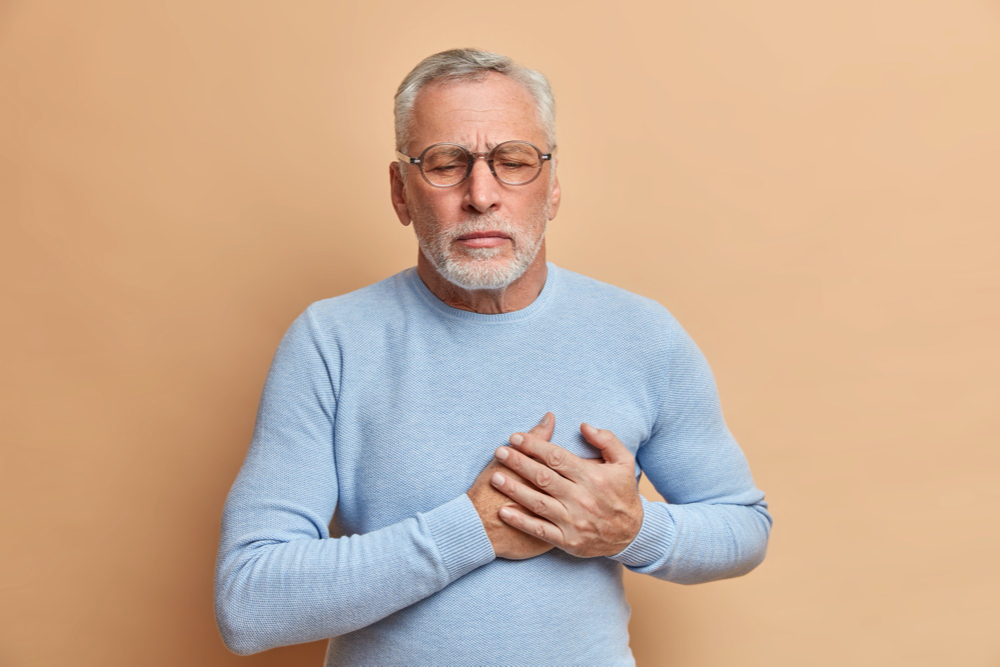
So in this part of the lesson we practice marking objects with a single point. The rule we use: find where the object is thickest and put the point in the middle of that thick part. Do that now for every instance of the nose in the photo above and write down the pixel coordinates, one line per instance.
(483, 191)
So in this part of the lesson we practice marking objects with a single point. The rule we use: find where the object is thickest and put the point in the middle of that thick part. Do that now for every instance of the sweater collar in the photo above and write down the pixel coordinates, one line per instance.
(412, 279)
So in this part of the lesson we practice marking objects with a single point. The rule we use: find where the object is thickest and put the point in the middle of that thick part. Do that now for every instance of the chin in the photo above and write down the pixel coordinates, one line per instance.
(481, 274)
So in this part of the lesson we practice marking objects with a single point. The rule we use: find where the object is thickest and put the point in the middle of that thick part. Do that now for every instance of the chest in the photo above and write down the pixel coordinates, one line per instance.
(417, 422)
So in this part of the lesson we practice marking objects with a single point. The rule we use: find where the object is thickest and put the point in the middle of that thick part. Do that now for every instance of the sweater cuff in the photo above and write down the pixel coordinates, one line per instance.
(655, 537)
(460, 537)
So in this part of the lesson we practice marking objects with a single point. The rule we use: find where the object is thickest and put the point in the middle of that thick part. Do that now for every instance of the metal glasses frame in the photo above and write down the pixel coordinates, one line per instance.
(471, 159)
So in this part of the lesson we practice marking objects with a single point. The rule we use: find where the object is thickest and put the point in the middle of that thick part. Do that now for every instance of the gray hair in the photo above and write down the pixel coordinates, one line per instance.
(471, 65)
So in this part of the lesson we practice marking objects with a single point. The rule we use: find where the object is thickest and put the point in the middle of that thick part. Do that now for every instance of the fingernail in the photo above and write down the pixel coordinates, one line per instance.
(516, 439)
(504, 513)
(545, 420)
(502, 453)
(497, 479)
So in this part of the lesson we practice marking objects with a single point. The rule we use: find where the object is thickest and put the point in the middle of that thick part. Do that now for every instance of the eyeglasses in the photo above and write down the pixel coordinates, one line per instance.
(512, 162)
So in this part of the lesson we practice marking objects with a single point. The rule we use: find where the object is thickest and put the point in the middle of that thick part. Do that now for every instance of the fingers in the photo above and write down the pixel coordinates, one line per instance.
(544, 477)
(545, 428)
(530, 499)
(540, 528)
(551, 455)
(611, 447)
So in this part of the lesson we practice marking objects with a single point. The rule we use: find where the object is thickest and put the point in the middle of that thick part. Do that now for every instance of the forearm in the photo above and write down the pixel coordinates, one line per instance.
(280, 579)
(715, 523)
(273, 588)
(699, 542)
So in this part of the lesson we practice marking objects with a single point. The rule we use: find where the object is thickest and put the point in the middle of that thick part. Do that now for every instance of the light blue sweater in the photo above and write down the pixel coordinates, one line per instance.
(383, 405)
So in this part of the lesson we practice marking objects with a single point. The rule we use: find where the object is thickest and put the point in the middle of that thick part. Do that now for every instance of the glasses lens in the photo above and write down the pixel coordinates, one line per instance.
(516, 162)
(445, 165)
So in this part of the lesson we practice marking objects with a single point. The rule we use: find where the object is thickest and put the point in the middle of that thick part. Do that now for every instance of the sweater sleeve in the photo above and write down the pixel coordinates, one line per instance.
(715, 523)
(280, 578)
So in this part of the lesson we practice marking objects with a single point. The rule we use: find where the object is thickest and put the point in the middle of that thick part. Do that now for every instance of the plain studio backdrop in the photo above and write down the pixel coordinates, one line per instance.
(812, 189)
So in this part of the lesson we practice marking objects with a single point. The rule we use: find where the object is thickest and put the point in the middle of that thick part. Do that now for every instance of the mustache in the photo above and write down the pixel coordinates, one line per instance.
(482, 223)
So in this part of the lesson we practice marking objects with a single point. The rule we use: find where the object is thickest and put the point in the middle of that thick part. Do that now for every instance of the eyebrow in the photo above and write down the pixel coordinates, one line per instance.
(489, 146)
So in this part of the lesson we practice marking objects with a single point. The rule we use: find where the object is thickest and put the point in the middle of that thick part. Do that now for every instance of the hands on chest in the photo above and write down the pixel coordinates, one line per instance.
(535, 495)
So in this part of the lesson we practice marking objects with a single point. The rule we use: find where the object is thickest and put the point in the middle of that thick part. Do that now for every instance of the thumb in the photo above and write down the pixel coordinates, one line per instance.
(611, 447)
(545, 428)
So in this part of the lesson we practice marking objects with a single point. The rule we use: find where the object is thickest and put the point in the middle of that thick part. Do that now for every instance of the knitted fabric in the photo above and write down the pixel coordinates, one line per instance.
(380, 409)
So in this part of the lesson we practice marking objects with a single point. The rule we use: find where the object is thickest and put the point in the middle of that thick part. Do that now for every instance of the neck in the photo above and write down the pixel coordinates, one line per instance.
(518, 295)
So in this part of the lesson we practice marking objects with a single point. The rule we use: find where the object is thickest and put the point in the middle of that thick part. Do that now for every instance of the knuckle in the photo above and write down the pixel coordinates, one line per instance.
(539, 507)
(539, 531)
(589, 505)
(543, 478)
(556, 458)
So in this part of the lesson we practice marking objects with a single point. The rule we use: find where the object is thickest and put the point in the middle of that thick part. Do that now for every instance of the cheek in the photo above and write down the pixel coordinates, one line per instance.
(539, 210)
(439, 206)
(425, 228)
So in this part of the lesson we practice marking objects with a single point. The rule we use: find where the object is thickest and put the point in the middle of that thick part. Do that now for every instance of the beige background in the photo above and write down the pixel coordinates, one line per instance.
(811, 188)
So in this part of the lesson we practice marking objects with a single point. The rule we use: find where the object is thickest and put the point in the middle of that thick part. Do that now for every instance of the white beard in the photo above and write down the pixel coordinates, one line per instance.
(479, 268)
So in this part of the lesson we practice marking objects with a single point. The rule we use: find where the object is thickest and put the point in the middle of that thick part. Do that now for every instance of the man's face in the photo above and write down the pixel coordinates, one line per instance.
(481, 233)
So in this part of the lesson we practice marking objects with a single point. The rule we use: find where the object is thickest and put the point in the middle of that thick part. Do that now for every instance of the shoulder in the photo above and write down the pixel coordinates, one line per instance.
(601, 301)
(637, 322)
(351, 318)
(369, 304)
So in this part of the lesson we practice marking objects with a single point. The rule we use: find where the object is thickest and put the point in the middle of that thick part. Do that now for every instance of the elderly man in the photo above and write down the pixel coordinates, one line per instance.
(402, 411)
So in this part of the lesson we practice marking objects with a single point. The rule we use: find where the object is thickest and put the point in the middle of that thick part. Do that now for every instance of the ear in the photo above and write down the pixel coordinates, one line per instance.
(398, 193)
(554, 197)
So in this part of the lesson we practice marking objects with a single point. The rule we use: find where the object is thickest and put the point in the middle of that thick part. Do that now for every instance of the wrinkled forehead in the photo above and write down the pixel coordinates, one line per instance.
(478, 113)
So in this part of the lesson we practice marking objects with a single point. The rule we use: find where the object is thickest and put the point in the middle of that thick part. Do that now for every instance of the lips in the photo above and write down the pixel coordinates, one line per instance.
(482, 235)
(487, 239)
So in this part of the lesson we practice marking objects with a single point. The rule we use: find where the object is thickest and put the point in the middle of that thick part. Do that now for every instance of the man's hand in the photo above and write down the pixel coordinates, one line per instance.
(507, 542)
(586, 507)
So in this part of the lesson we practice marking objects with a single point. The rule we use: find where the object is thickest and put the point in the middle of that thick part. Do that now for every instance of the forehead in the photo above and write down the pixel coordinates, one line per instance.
(492, 109)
